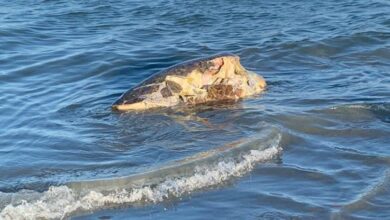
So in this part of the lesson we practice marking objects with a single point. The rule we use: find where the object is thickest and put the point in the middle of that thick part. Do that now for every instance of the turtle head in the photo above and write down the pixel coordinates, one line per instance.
(134, 98)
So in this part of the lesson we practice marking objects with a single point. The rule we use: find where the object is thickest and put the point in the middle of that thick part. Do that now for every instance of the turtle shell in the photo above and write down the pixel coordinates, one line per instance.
(219, 77)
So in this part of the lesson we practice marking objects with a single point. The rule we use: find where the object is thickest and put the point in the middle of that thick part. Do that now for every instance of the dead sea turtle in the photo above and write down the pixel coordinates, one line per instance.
(212, 79)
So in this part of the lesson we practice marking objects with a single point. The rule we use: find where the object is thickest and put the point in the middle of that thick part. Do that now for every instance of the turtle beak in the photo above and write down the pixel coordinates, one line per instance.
(114, 107)
(119, 107)
(118, 103)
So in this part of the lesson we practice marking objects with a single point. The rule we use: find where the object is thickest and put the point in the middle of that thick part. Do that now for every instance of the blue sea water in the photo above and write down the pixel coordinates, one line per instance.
(315, 145)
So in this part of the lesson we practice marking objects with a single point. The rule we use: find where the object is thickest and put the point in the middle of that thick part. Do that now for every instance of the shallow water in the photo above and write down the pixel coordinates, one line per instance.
(314, 145)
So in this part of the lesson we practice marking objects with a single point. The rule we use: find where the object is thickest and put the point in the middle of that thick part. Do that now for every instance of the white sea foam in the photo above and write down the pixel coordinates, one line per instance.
(59, 202)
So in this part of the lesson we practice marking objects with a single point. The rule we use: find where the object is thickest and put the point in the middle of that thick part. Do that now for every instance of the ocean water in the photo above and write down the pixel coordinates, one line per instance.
(314, 145)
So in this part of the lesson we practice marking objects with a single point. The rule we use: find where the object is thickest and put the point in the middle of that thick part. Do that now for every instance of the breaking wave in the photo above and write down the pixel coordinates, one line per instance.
(206, 169)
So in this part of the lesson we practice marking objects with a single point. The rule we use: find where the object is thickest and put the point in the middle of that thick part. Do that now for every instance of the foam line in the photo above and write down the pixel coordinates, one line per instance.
(176, 179)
